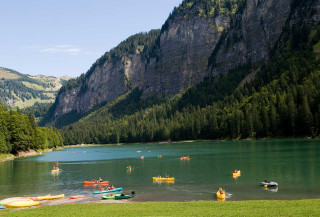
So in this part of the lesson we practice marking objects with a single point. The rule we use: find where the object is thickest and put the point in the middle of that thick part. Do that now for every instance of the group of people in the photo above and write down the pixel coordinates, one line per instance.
(107, 189)
(98, 181)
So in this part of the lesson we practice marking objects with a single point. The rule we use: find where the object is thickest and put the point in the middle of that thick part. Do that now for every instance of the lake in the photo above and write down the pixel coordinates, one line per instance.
(294, 164)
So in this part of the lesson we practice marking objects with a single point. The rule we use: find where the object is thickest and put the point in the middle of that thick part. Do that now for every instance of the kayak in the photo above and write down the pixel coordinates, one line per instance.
(76, 196)
(7, 200)
(221, 196)
(269, 183)
(184, 158)
(122, 196)
(108, 191)
(163, 179)
(2, 207)
(18, 202)
(56, 170)
(110, 196)
(49, 197)
(237, 173)
(96, 183)
(36, 198)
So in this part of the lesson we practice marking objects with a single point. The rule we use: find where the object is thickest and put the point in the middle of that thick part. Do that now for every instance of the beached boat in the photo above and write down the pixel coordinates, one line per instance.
(110, 196)
(18, 202)
(122, 196)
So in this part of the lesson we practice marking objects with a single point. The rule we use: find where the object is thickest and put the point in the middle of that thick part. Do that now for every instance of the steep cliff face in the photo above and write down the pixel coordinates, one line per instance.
(179, 60)
(183, 55)
(252, 35)
(172, 60)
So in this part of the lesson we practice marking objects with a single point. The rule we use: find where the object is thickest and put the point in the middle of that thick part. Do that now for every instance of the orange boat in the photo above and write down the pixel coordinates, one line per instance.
(96, 183)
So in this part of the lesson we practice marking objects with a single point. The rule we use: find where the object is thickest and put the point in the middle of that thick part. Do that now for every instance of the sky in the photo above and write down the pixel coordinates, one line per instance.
(65, 37)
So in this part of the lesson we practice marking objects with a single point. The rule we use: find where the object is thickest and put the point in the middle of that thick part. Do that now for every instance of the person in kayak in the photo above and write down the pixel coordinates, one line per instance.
(100, 180)
(235, 171)
(221, 191)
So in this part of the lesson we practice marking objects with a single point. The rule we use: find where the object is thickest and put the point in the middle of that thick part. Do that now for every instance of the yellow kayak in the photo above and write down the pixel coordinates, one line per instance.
(163, 179)
(56, 170)
(51, 197)
(237, 173)
(20, 202)
(221, 196)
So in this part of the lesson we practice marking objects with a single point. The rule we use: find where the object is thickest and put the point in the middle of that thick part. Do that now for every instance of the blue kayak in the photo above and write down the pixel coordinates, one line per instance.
(108, 191)
(2, 207)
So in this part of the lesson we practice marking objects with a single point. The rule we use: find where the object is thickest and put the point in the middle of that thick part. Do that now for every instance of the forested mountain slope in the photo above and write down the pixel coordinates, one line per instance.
(19, 90)
(281, 98)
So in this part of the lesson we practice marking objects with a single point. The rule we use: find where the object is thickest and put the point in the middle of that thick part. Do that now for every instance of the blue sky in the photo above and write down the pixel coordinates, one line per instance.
(65, 37)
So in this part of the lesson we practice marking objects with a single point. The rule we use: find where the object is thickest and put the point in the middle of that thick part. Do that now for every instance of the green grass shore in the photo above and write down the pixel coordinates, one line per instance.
(194, 208)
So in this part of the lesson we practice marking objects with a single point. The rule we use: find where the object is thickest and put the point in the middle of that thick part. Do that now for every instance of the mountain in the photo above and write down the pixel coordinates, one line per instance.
(19, 90)
(216, 69)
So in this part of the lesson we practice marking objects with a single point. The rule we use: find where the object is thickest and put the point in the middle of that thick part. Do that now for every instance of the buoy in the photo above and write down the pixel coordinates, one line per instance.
(265, 186)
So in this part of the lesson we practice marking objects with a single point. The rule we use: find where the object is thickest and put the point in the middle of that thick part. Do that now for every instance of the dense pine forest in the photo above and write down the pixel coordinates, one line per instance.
(283, 100)
(20, 132)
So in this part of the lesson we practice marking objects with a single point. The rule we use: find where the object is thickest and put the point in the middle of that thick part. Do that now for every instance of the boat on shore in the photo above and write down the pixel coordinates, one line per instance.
(122, 196)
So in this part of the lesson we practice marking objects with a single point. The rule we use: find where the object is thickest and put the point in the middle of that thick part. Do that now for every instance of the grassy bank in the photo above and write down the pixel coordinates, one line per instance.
(194, 208)
(4, 157)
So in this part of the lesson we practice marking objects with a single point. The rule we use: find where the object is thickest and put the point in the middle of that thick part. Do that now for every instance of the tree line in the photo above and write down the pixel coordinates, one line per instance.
(20, 132)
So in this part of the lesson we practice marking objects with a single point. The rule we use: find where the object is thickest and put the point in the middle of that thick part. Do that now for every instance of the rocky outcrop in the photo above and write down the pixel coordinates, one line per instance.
(252, 35)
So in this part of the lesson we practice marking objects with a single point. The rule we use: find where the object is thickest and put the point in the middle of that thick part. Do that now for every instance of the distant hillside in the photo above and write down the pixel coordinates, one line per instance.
(19, 90)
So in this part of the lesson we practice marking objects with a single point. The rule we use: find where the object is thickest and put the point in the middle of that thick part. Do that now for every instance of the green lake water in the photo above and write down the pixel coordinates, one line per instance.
(294, 164)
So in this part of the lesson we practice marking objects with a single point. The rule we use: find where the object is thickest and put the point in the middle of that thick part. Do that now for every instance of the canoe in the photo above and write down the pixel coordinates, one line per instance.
(221, 196)
(125, 196)
(163, 179)
(110, 196)
(269, 183)
(76, 196)
(108, 191)
(18, 202)
(184, 158)
(2, 207)
(237, 173)
(96, 183)
(54, 171)
(51, 197)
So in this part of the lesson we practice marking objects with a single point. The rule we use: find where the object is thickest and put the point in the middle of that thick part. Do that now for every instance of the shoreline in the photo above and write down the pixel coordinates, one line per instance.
(32, 153)
(29, 153)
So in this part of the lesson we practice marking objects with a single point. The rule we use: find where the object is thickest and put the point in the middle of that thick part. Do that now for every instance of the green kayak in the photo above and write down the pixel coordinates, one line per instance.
(122, 196)
(110, 196)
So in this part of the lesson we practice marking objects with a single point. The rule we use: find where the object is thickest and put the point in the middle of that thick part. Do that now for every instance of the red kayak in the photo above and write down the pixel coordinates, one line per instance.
(76, 196)
(96, 183)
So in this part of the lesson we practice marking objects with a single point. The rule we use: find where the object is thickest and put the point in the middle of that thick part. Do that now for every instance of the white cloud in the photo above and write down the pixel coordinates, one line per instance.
(64, 48)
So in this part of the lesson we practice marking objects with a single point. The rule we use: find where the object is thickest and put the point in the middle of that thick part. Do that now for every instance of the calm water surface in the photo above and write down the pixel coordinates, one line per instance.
(294, 164)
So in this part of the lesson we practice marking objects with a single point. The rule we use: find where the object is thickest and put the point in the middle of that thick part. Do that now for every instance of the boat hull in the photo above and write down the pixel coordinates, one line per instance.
(163, 179)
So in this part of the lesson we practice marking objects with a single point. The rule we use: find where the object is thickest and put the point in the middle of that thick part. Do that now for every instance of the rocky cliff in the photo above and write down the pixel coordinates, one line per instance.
(196, 34)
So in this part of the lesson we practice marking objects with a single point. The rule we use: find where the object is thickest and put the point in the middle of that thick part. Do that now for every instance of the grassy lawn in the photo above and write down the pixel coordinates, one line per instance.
(194, 208)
